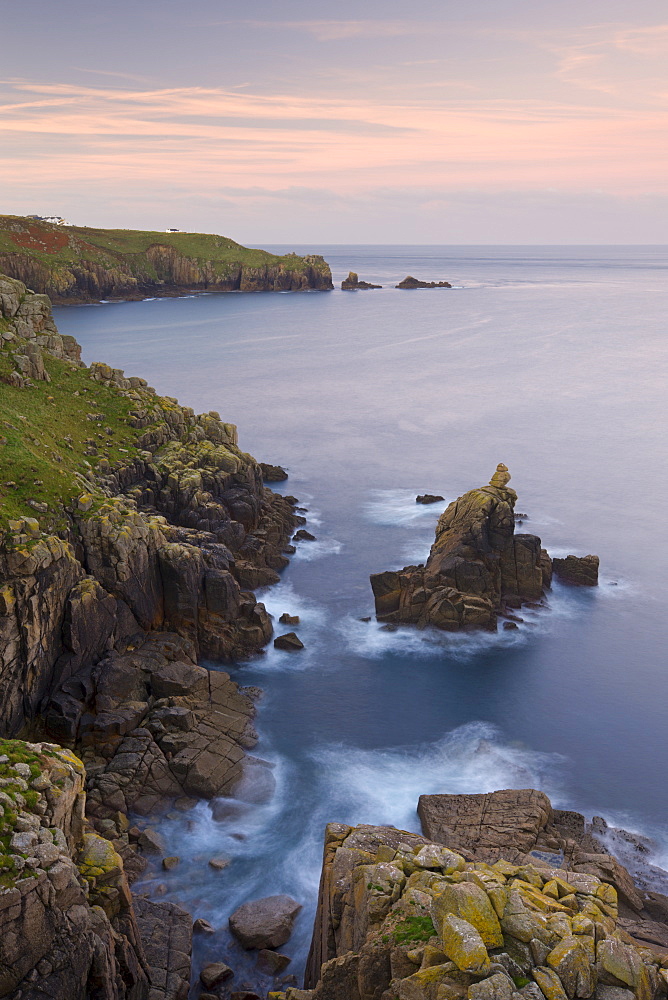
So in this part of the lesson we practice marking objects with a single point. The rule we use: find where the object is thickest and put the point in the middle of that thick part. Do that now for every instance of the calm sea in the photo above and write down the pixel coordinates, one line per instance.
(550, 359)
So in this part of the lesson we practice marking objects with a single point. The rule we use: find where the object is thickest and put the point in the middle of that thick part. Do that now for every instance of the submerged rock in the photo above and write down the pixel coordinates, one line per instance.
(265, 923)
(478, 566)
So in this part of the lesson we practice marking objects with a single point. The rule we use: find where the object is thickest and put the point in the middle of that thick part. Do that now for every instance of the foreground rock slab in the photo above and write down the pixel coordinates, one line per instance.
(265, 923)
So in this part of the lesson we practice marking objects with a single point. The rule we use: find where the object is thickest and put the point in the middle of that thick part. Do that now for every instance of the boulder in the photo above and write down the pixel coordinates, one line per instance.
(271, 962)
(428, 498)
(287, 619)
(264, 923)
(304, 536)
(290, 641)
(214, 973)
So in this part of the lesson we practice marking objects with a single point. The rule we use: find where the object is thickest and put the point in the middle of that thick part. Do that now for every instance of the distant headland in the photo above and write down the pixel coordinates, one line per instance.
(82, 264)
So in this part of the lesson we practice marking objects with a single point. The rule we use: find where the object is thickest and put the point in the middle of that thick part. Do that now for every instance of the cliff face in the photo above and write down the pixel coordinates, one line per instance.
(134, 531)
(77, 264)
(478, 567)
(401, 917)
(67, 924)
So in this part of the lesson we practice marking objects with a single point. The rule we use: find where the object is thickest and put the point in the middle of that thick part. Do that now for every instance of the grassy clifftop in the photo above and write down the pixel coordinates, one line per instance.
(76, 263)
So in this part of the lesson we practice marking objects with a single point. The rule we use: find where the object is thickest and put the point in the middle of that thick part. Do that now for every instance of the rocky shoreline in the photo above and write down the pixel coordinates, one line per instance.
(73, 264)
(130, 554)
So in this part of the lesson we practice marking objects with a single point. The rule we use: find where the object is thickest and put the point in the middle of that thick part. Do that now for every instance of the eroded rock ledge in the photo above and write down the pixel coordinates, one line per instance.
(478, 567)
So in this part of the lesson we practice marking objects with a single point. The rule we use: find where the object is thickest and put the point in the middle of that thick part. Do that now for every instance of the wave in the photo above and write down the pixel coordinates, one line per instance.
(399, 507)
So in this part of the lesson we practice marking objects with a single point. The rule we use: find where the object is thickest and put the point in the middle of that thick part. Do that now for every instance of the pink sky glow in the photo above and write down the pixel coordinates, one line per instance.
(515, 112)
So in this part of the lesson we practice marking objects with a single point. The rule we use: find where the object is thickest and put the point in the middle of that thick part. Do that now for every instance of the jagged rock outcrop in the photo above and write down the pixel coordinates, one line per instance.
(78, 264)
(400, 916)
(352, 283)
(411, 282)
(27, 328)
(67, 924)
(477, 568)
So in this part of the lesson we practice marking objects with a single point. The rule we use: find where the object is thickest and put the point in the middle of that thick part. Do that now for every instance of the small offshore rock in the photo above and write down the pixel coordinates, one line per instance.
(582, 571)
(510, 626)
(216, 972)
(352, 283)
(428, 498)
(202, 926)
(271, 962)
(304, 536)
(287, 619)
(289, 641)
(273, 473)
(169, 863)
(411, 282)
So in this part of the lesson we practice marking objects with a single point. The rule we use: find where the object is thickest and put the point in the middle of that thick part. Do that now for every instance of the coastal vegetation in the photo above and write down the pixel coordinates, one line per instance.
(79, 263)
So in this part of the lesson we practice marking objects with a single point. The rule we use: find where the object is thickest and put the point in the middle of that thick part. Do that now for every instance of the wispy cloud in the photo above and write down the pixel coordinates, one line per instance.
(337, 30)
(207, 136)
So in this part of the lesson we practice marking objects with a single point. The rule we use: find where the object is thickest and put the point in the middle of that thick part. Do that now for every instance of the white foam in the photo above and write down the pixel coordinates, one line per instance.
(309, 551)
(382, 786)
(399, 507)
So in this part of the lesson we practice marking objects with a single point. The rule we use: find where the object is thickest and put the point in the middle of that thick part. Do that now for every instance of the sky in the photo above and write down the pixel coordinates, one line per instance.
(487, 121)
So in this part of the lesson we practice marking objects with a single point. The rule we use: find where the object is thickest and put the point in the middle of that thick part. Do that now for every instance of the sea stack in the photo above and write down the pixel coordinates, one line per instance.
(352, 283)
(477, 569)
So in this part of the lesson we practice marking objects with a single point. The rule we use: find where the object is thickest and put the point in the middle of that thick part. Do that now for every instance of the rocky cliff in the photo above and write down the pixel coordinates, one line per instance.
(133, 534)
(478, 567)
(79, 264)
(402, 917)
(68, 926)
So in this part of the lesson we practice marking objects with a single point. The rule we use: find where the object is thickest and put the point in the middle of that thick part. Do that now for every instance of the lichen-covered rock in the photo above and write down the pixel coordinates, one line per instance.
(387, 926)
(67, 926)
(478, 566)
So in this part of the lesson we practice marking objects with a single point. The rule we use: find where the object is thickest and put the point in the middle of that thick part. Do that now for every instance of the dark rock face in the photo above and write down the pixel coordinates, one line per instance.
(289, 641)
(411, 282)
(352, 283)
(166, 935)
(582, 571)
(478, 566)
(273, 473)
(264, 923)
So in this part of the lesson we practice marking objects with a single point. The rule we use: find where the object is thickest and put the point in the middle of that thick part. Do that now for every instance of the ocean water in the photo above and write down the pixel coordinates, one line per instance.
(550, 359)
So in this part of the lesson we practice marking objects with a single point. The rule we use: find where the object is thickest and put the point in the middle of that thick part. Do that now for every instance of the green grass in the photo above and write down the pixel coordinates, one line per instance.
(46, 428)
(127, 247)
(413, 929)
